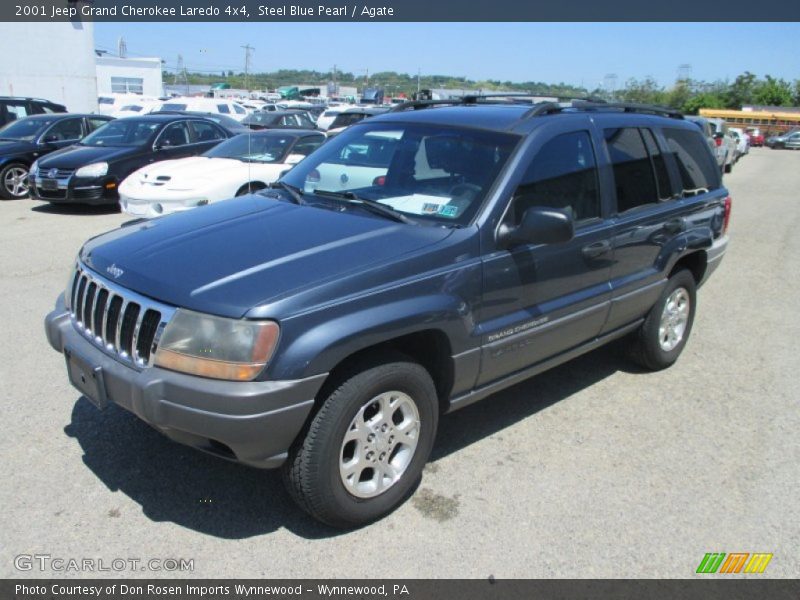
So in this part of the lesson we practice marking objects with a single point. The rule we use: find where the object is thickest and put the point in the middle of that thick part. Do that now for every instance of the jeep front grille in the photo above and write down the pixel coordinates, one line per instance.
(120, 322)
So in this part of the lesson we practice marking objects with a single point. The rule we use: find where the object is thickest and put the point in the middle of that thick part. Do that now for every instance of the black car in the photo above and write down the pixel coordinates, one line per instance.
(351, 116)
(279, 119)
(229, 124)
(13, 108)
(90, 171)
(24, 140)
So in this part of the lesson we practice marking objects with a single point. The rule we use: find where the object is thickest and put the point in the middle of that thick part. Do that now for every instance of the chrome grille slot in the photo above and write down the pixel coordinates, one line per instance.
(147, 333)
(114, 308)
(88, 304)
(121, 322)
(78, 304)
(128, 327)
(99, 312)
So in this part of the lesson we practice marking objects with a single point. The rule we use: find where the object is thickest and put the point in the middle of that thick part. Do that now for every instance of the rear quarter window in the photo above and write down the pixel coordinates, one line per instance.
(697, 167)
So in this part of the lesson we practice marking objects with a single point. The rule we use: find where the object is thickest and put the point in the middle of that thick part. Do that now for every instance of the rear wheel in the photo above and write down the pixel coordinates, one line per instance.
(663, 335)
(14, 181)
(365, 449)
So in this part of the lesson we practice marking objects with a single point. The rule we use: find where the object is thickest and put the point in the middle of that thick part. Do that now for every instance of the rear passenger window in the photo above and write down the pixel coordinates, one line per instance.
(697, 167)
(658, 164)
(633, 171)
(562, 175)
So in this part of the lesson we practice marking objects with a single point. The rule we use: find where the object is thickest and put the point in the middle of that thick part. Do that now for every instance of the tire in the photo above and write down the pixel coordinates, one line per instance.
(14, 181)
(649, 346)
(728, 167)
(323, 459)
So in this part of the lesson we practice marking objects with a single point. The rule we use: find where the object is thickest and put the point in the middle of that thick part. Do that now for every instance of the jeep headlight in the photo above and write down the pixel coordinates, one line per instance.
(98, 169)
(216, 347)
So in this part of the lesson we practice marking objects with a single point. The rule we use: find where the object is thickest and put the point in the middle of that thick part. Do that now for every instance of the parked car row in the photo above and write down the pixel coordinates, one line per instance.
(789, 140)
(727, 144)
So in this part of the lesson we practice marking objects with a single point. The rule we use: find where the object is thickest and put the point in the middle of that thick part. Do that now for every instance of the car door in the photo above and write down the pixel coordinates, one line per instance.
(205, 135)
(174, 141)
(793, 141)
(63, 133)
(543, 299)
(651, 217)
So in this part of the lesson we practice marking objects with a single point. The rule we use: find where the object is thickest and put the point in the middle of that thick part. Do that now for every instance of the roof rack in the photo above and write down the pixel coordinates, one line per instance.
(461, 100)
(549, 108)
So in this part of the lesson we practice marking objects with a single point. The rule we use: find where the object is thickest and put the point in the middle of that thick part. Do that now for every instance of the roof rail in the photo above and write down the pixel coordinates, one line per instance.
(548, 108)
(459, 100)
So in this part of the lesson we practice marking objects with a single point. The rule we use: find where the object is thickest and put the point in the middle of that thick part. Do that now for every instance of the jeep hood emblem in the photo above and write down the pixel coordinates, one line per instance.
(114, 271)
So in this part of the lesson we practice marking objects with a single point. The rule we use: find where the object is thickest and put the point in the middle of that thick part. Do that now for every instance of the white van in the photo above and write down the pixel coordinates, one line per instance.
(221, 106)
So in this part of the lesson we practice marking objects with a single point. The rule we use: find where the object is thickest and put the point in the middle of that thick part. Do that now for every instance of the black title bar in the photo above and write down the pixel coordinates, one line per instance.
(265, 11)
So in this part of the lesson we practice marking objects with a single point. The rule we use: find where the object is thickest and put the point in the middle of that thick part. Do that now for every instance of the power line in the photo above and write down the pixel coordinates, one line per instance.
(247, 50)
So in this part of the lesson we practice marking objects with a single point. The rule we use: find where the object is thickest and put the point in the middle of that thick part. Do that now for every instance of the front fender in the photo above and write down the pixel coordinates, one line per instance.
(323, 344)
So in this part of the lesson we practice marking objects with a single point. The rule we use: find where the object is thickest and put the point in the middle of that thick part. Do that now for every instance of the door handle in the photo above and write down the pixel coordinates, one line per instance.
(675, 225)
(596, 249)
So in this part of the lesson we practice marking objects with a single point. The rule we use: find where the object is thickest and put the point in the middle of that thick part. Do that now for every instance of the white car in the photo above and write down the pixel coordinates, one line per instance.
(742, 141)
(222, 106)
(238, 166)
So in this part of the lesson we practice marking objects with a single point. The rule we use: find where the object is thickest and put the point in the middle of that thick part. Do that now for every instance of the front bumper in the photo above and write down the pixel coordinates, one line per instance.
(74, 190)
(254, 422)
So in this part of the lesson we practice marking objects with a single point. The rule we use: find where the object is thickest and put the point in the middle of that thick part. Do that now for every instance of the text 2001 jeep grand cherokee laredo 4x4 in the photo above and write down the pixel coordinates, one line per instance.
(420, 261)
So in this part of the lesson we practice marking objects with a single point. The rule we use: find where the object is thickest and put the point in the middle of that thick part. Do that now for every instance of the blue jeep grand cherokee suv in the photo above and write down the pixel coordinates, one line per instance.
(420, 261)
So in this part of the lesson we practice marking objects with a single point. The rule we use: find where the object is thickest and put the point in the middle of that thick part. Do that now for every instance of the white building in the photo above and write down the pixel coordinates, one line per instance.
(55, 61)
(129, 76)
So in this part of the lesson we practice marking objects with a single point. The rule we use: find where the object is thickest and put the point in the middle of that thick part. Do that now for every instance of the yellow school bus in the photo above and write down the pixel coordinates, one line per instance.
(769, 122)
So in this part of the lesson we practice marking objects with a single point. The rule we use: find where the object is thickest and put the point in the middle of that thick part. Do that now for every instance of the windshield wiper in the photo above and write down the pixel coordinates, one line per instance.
(295, 193)
(371, 205)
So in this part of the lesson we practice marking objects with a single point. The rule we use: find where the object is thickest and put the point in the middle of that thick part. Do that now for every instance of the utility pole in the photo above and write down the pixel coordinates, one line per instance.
(335, 87)
(418, 71)
(247, 50)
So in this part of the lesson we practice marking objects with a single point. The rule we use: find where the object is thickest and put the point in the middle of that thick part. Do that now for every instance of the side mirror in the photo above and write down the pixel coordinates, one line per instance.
(293, 159)
(539, 225)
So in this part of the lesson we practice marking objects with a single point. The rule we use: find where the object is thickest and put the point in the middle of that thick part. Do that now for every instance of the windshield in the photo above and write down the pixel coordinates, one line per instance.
(24, 129)
(132, 108)
(428, 172)
(253, 148)
(261, 118)
(123, 132)
(347, 119)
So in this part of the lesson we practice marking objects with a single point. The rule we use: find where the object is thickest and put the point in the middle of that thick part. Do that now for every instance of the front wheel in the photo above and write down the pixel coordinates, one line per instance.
(364, 451)
(14, 181)
(663, 335)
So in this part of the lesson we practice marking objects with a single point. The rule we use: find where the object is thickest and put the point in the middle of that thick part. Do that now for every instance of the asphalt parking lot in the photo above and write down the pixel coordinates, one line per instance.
(594, 469)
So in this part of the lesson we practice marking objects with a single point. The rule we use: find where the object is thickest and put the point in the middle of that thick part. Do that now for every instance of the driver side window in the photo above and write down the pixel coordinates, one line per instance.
(66, 130)
(174, 135)
(562, 175)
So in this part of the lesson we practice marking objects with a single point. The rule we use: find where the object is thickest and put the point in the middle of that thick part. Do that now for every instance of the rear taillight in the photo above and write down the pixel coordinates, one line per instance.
(379, 180)
(726, 219)
(718, 141)
(313, 177)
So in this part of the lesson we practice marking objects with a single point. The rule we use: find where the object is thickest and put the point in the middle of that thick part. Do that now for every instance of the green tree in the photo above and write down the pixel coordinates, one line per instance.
(645, 91)
(741, 91)
(703, 100)
(773, 92)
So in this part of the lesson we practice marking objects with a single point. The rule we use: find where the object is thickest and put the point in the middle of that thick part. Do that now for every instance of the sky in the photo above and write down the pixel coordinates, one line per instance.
(573, 53)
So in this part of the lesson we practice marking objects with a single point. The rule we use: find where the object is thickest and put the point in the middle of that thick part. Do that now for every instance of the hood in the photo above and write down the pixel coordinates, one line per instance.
(77, 156)
(187, 171)
(230, 257)
(11, 147)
